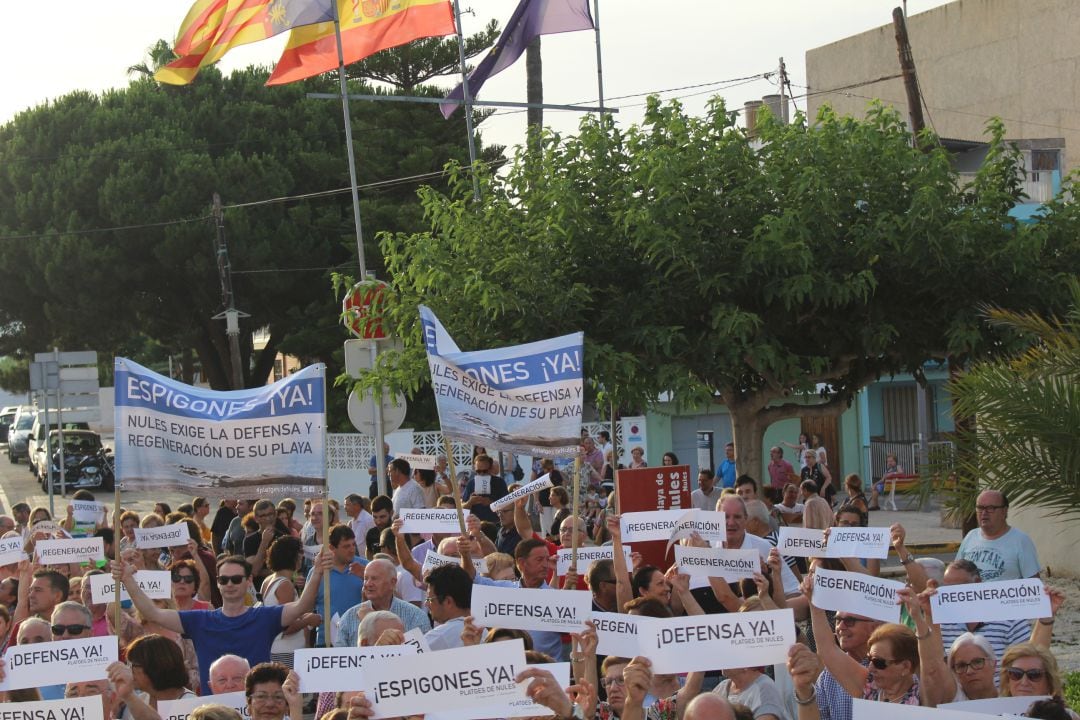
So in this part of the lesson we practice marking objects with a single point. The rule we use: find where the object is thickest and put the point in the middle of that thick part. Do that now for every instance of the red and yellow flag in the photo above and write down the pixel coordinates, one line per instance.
(213, 27)
(367, 26)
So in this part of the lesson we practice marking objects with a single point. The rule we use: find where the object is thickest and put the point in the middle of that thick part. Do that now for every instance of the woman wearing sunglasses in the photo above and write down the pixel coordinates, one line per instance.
(1028, 670)
(189, 586)
(891, 672)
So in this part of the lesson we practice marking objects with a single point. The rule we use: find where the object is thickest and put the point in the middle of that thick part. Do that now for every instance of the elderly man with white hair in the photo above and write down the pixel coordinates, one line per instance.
(380, 579)
(71, 621)
(35, 630)
(110, 701)
(227, 674)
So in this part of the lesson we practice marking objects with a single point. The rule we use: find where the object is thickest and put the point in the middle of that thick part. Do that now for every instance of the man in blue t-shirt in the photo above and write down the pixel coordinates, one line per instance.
(726, 471)
(234, 628)
(346, 577)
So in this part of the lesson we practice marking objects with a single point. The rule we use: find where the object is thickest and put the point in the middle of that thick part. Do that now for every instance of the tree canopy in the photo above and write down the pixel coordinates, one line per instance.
(776, 275)
(104, 205)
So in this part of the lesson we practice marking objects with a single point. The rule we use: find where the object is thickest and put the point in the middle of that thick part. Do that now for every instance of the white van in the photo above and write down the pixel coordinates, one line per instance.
(37, 457)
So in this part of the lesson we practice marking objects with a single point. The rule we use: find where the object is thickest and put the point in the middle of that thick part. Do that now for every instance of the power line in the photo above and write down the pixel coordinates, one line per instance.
(843, 91)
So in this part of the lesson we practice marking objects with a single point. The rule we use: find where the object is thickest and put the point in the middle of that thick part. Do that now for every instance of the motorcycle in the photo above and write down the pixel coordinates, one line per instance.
(86, 465)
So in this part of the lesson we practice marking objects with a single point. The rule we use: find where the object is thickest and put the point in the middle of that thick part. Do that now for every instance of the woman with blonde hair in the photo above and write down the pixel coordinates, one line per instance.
(1028, 670)
(500, 566)
(817, 514)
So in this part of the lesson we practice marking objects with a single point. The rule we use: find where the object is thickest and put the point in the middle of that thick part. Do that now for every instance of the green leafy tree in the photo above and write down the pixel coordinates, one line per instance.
(1027, 409)
(776, 278)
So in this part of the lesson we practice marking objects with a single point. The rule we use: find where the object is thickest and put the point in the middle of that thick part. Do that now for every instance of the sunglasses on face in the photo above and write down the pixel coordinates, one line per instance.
(58, 630)
(178, 578)
(230, 579)
(1034, 675)
(881, 663)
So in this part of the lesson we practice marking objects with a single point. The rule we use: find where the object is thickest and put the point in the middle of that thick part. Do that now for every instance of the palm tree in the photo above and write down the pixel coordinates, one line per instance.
(158, 55)
(1026, 439)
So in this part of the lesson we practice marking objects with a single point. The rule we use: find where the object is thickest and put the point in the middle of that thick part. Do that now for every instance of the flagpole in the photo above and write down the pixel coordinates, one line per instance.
(467, 100)
(380, 456)
(599, 67)
(352, 165)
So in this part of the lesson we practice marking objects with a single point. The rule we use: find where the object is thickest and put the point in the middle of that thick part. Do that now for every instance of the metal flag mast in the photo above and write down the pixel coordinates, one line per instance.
(380, 456)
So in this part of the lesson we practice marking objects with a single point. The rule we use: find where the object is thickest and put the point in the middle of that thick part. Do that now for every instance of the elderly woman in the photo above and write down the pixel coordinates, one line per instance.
(1028, 670)
(967, 673)
(273, 691)
(890, 676)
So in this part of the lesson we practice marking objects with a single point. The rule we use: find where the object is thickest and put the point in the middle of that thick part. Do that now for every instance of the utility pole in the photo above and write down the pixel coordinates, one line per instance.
(534, 88)
(783, 99)
(907, 69)
(231, 314)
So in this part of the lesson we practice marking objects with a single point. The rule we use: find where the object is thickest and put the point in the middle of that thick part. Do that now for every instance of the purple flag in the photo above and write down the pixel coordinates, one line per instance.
(530, 19)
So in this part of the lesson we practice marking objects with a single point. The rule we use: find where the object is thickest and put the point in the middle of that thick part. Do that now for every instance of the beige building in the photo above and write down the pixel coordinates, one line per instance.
(1015, 59)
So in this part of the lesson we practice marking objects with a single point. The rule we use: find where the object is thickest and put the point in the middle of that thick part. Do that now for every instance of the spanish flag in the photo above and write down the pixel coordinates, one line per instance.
(213, 27)
(367, 26)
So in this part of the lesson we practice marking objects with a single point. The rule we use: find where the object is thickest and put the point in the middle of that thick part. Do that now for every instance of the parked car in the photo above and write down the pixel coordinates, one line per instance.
(19, 433)
(35, 445)
(87, 464)
(7, 418)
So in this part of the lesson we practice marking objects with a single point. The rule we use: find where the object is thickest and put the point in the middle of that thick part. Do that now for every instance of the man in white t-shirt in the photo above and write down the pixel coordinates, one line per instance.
(706, 495)
(448, 599)
(407, 492)
(791, 510)
(738, 539)
(999, 551)
(360, 520)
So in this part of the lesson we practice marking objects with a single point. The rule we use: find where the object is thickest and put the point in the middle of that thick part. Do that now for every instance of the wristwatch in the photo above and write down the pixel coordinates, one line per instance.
(908, 560)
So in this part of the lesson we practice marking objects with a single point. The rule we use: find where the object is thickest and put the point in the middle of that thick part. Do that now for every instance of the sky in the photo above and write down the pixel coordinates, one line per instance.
(694, 44)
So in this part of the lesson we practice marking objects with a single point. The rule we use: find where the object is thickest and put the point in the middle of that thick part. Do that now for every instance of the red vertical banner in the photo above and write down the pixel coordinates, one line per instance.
(654, 488)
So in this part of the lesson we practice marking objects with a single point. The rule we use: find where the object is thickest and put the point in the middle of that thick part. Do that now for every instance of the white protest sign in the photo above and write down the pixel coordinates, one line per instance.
(716, 642)
(418, 462)
(161, 537)
(336, 669)
(437, 521)
(415, 639)
(732, 565)
(857, 593)
(48, 527)
(335, 628)
(858, 542)
(995, 706)
(563, 611)
(88, 511)
(617, 634)
(800, 542)
(74, 550)
(481, 485)
(648, 525)
(991, 602)
(181, 709)
(72, 660)
(433, 560)
(587, 557)
(448, 680)
(876, 710)
(11, 550)
(82, 708)
(157, 584)
(709, 525)
(311, 552)
(541, 483)
(516, 709)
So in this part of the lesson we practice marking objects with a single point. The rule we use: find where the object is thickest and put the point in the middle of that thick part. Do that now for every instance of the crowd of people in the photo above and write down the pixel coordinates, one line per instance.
(247, 592)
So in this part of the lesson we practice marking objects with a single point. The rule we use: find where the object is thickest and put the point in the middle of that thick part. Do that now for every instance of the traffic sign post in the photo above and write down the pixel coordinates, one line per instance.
(361, 312)
(73, 377)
